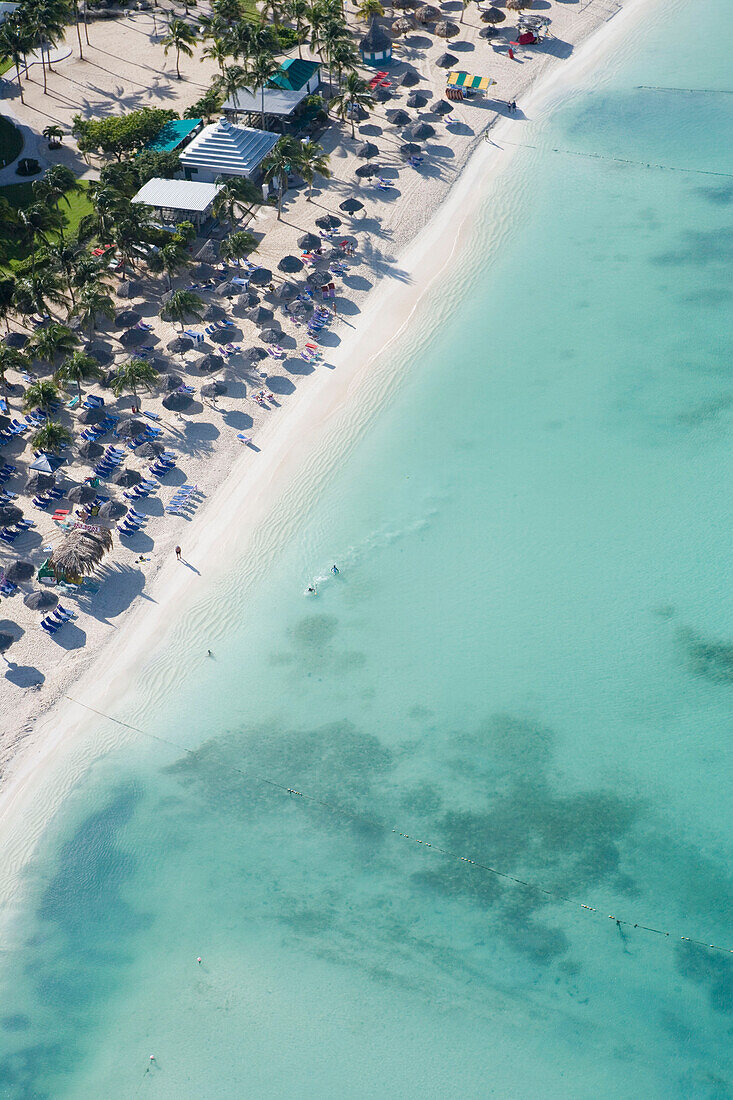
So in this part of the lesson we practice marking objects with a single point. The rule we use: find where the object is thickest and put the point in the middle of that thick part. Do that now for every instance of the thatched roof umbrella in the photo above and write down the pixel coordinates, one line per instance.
(90, 450)
(260, 315)
(95, 415)
(270, 335)
(427, 14)
(410, 79)
(364, 171)
(403, 25)
(135, 337)
(214, 313)
(81, 494)
(130, 428)
(317, 278)
(214, 389)
(445, 28)
(9, 515)
(290, 265)
(112, 510)
(443, 108)
(180, 344)
(80, 551)
(20, 571)
(301, 309)
(203, 271)
(41, 600)
(126, 478)
(173, 381)
(151, 449)
(261, 277)
(254, 355)
(221, 337)
(409, 149)
(127, 318)
(518, 5)
(229, 290)
(492, 15)
(101, 353)
(209, 363)
(364, 151)
(419, 132)
(177, 401)
(398, 117)
(380, 95)
(38, 483)
(286, 291)
(351, 206)
(15, 339)
(417, 99)
(130, 288)
(446, 61)
(309, 241)
(330, 221)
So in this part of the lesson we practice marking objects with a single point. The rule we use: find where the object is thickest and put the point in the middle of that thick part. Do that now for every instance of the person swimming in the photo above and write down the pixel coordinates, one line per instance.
(311, 590)
(335, 570)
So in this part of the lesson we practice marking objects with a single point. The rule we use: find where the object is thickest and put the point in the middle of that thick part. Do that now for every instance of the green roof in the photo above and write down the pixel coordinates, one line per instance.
(294, 74)
(172, 134)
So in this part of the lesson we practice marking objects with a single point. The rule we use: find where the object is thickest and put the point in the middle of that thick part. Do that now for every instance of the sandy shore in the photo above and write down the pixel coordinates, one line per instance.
(404, 245)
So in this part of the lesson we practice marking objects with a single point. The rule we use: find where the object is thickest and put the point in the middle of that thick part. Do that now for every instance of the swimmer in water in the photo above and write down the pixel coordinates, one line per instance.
(311, 590)
(335, 570)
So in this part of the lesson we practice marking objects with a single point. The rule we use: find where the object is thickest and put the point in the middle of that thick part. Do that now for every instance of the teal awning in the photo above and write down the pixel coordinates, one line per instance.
(172, 134)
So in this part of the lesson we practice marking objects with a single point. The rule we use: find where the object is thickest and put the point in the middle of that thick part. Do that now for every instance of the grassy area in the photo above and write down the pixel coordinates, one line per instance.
(5, 64)
(20, 195)
(11, 142)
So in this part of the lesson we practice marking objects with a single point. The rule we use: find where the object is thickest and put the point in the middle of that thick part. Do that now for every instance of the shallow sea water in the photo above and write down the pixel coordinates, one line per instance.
(526, 660)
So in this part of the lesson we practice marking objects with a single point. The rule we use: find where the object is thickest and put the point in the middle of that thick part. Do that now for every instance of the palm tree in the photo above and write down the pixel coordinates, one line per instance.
(354, 93)
(11, 359)
(181, 38)
(52, 436)
(33, 292)
(278, 163)
(174, 257)
(54, 135)
(237, 194)
(238, 245)
(93, 302)
(369, 9)
(63, 257)
(271, 11)
(261, 69)
(180, 305)
(218, 50)
(38, 220)
(7, 291)
(334, 33)
(40, 395)
(343, 56)
(232, 78)
(14, 44)
(312, 159)
(132, 374)
(61, 182)
(76, 368)
(51, 342)
(297, 10)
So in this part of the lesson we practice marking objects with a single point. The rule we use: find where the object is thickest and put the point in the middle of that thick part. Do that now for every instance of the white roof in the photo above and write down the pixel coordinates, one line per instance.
(231, 150)
(178, 194)
(278, 101)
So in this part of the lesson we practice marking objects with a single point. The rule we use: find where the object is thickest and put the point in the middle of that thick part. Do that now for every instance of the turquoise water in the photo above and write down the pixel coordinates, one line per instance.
(526, 660)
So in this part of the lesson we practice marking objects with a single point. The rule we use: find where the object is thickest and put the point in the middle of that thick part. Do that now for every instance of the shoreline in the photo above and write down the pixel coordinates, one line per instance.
(296, 440)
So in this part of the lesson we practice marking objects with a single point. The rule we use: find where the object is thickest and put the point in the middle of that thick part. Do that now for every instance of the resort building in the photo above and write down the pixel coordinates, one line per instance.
(279, 104)
(179, 200)
(296, 75)
(222, 149)
(376, 45)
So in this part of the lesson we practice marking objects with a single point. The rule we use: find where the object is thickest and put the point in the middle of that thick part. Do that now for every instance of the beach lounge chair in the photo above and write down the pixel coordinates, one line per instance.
(7, 588)
(50, 626)
(8, 535)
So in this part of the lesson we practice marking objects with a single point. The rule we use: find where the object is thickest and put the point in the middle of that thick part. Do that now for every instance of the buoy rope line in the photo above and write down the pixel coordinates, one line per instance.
(446, 852)
(615, 160)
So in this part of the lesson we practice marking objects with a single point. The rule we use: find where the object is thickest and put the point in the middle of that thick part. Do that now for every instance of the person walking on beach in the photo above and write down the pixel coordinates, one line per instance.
(178, 553)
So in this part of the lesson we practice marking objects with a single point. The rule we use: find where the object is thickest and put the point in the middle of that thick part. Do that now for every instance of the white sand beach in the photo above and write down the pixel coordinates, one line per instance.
(405, 240)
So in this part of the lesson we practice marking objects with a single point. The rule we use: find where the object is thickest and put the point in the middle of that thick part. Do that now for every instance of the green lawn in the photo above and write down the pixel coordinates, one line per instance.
(5, 64)
(11, 142)
(20, 195)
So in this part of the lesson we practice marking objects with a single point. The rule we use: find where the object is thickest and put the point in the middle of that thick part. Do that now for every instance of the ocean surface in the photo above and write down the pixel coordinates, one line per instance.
(525, 661)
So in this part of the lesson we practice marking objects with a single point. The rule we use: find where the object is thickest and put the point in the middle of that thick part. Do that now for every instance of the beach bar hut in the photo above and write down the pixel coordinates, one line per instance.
(376, 45)
(175, 199)
(468, 83)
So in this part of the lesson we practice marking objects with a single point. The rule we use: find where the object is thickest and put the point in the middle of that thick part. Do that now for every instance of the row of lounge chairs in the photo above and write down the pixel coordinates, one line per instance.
(58, 618)
(183, 500)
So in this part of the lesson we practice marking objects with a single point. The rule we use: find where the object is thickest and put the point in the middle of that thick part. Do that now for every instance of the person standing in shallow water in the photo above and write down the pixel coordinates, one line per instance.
(178, 553)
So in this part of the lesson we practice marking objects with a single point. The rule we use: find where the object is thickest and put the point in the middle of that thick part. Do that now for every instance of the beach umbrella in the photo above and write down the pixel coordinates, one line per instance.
(134, 337)
(309, 241)
(417, 99)
(15, 339)
(9, 515)
(403, 25)
(95, 415)
(203, 271)
(127, 318)
(445, 28)
(20, 571)
(130, 288)
(101, 353)
(398, 117)
(381, 95)
(446, 61)
(177, 401)
(209, 252)
(229, 290)
(351, 206)
(112, 510)
(213, 389)
(126, 478)
(129, 428)
(286, 291)
(330, 221)
(6, 640)
(41, 600)
(419, 131)
(254, 355)
(90, 450)
(410, 149)
(443, 108)
(248, 298)
(270, 335)
(80, 551)
(222, 337)
(290, 264)
(410, 79)
(367, 170)
(209, 363)
(364, 151)
(38, 483)
(151, 449)
(180, 344)
(492, 15)
(81, 494)
(44, 465)
(300, 309)
(260, 315)
(427, 14)
(318, 278)
(488, 32)
(261, 277)
(214, 313)
(173, 381)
